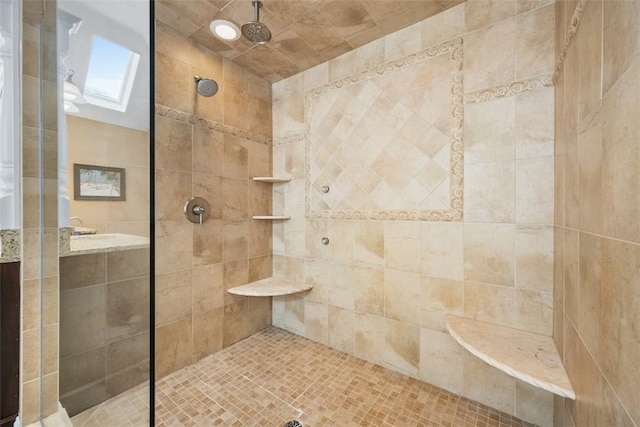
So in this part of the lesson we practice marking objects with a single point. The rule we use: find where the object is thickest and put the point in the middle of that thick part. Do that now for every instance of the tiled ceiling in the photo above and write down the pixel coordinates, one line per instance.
(304, 32)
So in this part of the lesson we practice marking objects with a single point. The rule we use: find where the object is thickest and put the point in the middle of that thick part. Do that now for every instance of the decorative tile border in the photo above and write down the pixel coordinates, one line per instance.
(510, 89)
(289, 139)
(571, 32)
(10, 241)
(455, 210)
(180, 116)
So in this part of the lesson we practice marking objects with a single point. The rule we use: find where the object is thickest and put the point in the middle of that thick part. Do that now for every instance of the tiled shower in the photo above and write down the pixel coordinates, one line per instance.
(480, 163)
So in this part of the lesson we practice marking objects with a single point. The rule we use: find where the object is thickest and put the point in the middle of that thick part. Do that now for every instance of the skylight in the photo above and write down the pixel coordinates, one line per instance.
(112, 70)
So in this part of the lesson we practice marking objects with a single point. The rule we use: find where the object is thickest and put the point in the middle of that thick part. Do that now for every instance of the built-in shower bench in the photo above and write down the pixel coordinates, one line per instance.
(270, 287)
(532, 358)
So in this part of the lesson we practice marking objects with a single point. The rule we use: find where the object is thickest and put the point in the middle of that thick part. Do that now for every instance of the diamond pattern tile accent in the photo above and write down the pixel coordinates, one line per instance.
(383, 139)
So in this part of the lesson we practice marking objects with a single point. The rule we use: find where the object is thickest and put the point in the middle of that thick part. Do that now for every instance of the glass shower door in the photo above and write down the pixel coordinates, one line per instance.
(104, 216)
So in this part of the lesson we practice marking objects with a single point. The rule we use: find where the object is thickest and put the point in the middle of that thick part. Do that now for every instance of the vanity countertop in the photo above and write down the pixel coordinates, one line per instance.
(110, 242)
(9, 245)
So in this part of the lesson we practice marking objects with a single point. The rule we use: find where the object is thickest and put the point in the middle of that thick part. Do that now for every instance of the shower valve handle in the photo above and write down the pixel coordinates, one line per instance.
(197, 210)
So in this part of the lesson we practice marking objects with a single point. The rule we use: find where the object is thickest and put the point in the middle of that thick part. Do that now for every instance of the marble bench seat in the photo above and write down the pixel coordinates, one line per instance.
(532, 358)
(270, 287)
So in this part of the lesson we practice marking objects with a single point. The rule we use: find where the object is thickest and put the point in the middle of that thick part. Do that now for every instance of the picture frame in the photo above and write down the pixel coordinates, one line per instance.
(103, 183)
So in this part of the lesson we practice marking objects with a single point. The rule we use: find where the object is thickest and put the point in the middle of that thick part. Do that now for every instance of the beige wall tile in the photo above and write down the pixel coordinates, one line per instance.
(316, 321)
(235, 243)
(489, 192)
(620, 39)
(621, 200)
(236, 158)
(534, 311)
(490, 55)
(208, 151)
(235, 273)
(83, 313)
(318, 274)
(127, 308)
(128, 352)
(173, 346)
(441, 360)
(82, 369)
(368, 242)
(441, 250)
(534, 123)
(173, 297)
(259, 314)
(208, 288)
(402, 246)
(620, 298)
(439, 297)
(490, 130)
(481, 13)
(174, 83)
(489, 253)
(402, 296)
(535, 46)
(534, 404)
(29, 404)
(207, 333)
(260, 268)
(488, 385)
(126, 264)
(591, 289)
(174, 190)
(369, 340)
(30, 304)
(534, 257)
(402, 344)
(443, 26)
(30, 350)
(571, 251)
(590, 52)
(590, 151)
(534, 190)
(173, 144)
(209, 187)
(235, 195)
(341, 291)
(368, 290)
(490, 303)
(294, 314)
(50, 400)
(175, 237)
(260, 238)
(236, 322)
(82, 270)
(341, 328)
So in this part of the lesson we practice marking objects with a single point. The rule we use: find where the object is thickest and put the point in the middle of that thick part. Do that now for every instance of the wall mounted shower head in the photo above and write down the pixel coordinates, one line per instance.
(255, 30)
(205, 87)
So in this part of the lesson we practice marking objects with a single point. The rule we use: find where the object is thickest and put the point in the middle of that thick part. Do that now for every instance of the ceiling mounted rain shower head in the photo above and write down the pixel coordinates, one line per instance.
(205, 87)
(255, 30)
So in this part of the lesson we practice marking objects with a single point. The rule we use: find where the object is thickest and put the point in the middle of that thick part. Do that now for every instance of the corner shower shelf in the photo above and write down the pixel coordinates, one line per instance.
(270, 287)
(532, 358)
(271, 179)
(271, 217)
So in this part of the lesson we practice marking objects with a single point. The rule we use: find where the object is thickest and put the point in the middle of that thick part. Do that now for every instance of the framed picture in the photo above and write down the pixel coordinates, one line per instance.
(98, 183)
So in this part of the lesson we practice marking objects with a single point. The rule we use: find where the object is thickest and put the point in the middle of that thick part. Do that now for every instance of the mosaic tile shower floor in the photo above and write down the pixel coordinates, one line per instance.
(275, 376)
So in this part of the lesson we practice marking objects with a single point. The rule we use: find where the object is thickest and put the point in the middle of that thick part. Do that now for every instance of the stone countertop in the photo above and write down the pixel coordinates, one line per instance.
(9, 246)
(270, 287)
(532, 358)
(97, 243)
